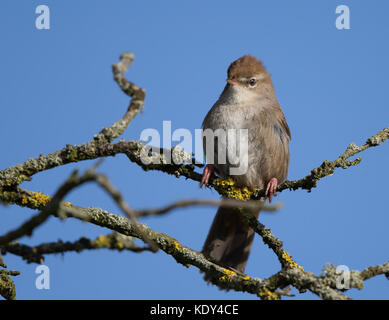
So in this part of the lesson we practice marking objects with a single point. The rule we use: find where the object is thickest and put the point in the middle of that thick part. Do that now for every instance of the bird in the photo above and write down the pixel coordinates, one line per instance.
(247, 104)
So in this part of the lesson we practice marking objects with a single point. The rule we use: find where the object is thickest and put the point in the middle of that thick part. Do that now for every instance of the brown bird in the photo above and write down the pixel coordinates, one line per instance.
(248, 101)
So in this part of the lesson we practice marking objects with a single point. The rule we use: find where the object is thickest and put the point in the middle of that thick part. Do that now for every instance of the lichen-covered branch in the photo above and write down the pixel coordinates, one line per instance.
(270, 288)
(96, 148)
(291, 274)
(132, 90)
(308, 182)
(125, 230)
(51, 207)
(272, 242)
(101, 146)
(7, 286)
(327, 168)
(35, 254)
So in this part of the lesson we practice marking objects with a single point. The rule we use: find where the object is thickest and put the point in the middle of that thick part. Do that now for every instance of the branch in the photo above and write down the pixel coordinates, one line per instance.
(101, 146)
(171, 246)
(7, 286)
(114, 241)
(132, 90)
(355, 278)
(292, 274)
(230, 203)
(184, 165)
(52, 207)
(327, 168)
(272, 242)
(96, 148)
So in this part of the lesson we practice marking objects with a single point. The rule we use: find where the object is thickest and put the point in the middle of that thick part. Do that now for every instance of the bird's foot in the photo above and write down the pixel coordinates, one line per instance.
(208, 171)
(271, 189)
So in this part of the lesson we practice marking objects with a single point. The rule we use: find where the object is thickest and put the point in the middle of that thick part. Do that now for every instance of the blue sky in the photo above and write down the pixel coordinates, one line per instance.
(57, 89)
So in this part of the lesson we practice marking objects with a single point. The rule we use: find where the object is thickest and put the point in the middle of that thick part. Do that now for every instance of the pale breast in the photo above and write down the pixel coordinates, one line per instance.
(253, 161)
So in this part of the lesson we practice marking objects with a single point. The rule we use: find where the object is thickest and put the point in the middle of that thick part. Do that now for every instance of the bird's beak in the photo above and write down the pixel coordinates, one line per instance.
(232, 82)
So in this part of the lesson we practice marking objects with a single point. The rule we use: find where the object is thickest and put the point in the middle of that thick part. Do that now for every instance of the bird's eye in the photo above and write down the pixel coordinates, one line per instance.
(252, 82)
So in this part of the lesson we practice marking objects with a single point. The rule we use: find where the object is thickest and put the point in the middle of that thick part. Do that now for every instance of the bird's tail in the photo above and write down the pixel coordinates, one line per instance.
(229, 240)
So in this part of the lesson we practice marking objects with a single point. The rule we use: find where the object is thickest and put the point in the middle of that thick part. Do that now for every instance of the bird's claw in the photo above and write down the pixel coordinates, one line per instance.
(271, 189)
(208, 171)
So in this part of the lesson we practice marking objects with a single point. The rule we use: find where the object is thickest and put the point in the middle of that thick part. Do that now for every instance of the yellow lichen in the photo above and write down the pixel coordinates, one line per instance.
(103, 241)
(228, 274)
(41, 198)
(291, 263)
(24, 200)
(228, 188)
(72, 154)
(246, 277)
(67, 204)
(224, 182)
(109, 241)
(36, 200)
(241, 193)
(177, 245)
(119, 244)
(267, 294)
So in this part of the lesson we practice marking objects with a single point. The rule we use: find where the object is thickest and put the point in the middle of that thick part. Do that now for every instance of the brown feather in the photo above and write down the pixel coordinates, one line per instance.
(245, 66)
(256, 109)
